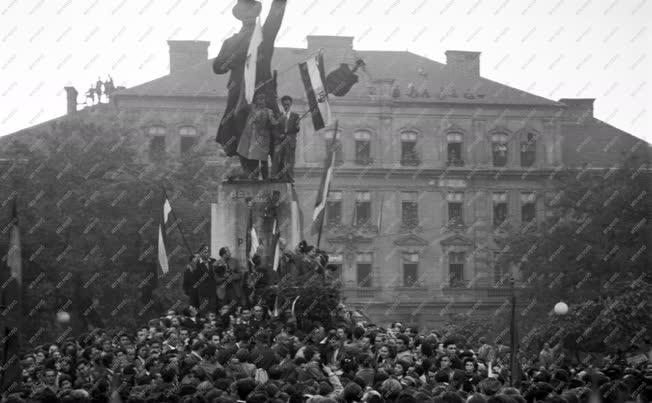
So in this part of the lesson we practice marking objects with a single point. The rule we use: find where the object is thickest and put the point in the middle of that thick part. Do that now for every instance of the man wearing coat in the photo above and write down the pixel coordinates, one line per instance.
(205, 280)
(232, 58)
(285, 142)
(229, 279)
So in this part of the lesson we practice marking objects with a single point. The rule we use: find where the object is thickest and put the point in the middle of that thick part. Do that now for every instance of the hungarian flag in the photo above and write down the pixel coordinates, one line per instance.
(296, 230)
(324, 186)
(250, 63)
(11, 300)
(276, 236)
(252, 238)
(312, 75)
(164, 218)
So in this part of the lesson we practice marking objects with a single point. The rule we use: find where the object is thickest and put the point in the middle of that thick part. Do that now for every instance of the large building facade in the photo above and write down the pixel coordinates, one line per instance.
(434, 164)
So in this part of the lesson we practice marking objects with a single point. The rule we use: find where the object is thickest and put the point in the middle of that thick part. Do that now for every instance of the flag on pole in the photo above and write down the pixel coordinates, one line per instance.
(164, 214)
(251, 61)
(313, 77)
(252, 238)
(324, 186)
(276, 236)
(296, 231)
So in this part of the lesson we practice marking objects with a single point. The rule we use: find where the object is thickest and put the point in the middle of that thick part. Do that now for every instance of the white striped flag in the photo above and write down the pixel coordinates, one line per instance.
(296, 231)
(251, 61)
(324, 187)
(276, 236)
(164, 214)
(313, 77)
(252, 238)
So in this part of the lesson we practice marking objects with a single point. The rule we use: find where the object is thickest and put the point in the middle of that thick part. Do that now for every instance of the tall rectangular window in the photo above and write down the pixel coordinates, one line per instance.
(528, 149)
(188, 140)
(334, 208)
(362, 210)
(456, 268)
(499, 208)
(499, 149)
(362, 147)
(409, 155)
(454, 149)
(335, 263)
(156, 143)
(410, 269)
(364, 262)
(409, 210)
(455, 208)
(528, 208)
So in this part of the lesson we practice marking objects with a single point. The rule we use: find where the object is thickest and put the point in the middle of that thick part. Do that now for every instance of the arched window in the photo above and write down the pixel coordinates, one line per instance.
(157, 147)
(454, 149)
(362, 147)
(337, 145)
(409, 154)
(187, 139)
(499, 149)
(528, 149)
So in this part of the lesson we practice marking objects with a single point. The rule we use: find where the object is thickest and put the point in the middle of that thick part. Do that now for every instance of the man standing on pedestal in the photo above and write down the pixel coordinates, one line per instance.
(205, 285)
(230, 287)
(285, 143)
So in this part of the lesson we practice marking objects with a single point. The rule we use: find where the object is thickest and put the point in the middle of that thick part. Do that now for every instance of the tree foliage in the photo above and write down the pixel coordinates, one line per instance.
(593, 253)
(88, 213)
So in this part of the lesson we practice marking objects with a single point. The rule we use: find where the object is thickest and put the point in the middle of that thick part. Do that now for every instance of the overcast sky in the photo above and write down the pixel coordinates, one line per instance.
(554, 48)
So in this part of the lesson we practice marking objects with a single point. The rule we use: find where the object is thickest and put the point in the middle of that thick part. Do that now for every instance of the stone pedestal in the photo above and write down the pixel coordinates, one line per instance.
(230, 216)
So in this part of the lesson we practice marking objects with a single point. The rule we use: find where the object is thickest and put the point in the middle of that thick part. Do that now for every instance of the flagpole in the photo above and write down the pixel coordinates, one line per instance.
(178, 223)
(513, 336)
(331, 156)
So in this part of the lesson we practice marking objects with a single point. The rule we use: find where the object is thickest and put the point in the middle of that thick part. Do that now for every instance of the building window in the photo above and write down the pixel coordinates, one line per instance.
(528, 149)
(364, 263)
(334, 209)
(456, 268)
(499, 208)
(409, 210)
(362, 210)
(499, 149)
(335, 263)
(528, 209)
(454, 149)
(337, 146)
(410, 269)
(156, 143)
(455, 208)
(362, 147)
(188, 140)
(409, 155)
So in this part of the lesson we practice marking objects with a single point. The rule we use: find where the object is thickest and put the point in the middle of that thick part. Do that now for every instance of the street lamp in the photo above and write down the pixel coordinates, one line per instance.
(561, 308)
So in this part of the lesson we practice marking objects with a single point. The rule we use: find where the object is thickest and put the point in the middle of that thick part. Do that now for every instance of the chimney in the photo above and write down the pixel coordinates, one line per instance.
(461, 60)
(185, 54)
(71, 99)
(578, 108)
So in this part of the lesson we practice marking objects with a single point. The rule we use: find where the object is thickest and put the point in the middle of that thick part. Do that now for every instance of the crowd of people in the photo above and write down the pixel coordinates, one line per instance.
(242, 354)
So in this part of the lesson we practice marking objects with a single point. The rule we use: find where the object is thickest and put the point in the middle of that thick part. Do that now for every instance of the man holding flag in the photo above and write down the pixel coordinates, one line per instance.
(247, 55)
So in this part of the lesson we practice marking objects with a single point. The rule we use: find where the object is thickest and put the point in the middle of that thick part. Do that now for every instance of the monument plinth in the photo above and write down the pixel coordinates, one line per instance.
(267, 202)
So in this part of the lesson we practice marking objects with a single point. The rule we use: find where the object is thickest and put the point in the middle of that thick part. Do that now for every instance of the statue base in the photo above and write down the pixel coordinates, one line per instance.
(269, 204)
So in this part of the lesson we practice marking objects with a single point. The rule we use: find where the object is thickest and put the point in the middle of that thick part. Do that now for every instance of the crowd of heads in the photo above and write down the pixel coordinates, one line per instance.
(249, 355)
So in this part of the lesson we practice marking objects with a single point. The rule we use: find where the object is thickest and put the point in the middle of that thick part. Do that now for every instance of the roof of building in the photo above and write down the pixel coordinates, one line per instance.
(599, 144)
(423, 73)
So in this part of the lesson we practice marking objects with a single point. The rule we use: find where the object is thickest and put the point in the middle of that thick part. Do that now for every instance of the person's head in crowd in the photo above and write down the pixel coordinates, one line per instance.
(451, 348)
(402, 342)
